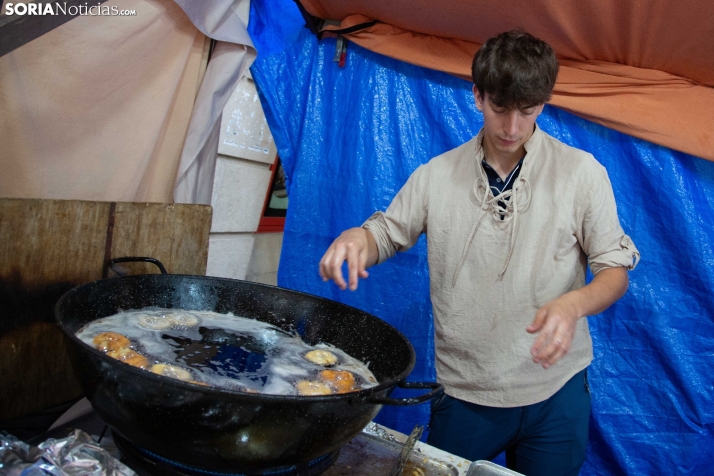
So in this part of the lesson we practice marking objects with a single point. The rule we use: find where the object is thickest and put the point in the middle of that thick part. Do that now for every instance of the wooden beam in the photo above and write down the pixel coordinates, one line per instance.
(18, 30)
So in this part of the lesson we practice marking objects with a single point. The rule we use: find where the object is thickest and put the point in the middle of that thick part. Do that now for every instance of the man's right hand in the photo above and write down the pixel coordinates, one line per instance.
(358, 247)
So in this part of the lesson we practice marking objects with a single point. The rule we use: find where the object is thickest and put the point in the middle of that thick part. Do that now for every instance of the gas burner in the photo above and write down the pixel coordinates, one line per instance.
(146, 463)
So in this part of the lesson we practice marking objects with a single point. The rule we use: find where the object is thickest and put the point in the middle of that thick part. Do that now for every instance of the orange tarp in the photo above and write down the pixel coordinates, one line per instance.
(645, 68)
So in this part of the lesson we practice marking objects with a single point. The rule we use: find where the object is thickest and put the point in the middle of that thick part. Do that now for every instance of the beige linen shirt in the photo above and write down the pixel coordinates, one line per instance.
(488, 276)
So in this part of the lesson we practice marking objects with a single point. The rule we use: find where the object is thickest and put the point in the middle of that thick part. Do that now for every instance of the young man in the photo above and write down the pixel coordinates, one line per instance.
(512, 218)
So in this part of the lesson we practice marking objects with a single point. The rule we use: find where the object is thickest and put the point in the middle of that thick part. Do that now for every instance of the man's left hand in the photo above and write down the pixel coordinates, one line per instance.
(555, 324)
(556, 321)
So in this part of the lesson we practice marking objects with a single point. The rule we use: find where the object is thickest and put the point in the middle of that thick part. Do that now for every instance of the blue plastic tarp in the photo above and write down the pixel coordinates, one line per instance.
(350, 137)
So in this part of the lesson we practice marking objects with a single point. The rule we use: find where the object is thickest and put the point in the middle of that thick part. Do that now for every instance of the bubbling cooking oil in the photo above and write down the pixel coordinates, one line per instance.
(224, 350)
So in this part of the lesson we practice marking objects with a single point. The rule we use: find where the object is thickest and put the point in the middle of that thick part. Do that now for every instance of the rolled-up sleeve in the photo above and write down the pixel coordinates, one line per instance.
(603, 239)
(398, 228)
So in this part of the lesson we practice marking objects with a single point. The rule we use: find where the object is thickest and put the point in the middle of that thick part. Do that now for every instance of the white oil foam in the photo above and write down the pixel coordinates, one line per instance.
(224, 350)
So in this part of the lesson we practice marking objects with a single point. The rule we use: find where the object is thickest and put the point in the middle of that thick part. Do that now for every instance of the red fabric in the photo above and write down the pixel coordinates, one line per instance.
(643, 68)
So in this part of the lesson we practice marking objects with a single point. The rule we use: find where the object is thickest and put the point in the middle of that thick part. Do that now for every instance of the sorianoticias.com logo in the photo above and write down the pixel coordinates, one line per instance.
(61, 8)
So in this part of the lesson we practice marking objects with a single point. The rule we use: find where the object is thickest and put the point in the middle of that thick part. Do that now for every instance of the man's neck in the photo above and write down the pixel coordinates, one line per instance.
(502, 164)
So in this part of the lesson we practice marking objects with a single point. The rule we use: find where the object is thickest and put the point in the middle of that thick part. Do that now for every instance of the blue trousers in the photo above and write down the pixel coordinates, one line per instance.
(544, 439)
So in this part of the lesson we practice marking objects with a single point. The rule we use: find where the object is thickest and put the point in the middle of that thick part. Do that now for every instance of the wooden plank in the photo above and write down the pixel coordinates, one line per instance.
(36, 371)
(50, 246)
(176, 235)
(47, 247)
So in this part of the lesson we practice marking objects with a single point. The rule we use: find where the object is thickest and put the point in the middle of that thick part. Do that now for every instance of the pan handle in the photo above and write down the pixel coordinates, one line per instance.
(436, 390)
(130, 259)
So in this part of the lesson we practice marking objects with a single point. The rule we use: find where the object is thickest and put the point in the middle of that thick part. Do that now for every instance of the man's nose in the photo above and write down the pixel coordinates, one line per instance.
(511, 124)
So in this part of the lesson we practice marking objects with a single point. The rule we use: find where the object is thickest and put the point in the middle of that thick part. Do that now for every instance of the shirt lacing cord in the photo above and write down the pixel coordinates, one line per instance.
(499, 213)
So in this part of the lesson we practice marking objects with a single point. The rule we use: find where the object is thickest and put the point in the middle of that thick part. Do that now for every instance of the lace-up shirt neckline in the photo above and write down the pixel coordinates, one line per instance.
(498, 185)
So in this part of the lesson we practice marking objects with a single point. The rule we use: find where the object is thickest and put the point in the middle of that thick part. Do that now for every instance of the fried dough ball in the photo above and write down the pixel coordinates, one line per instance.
(310, 388)
(171, 371)
(183, 320)
(130, 357)
(110, 341)
(341, 380)
(155, 323)
(321, 357)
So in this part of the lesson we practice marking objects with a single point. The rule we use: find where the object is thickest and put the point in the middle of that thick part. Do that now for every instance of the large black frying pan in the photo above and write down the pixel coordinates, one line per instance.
(230, 431)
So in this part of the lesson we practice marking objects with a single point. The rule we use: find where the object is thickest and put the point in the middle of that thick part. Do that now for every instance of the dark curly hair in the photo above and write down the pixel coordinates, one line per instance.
(516, 69)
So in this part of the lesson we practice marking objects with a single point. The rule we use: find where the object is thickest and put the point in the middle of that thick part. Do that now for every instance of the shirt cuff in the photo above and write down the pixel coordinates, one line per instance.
(626, 256)
(377, 225)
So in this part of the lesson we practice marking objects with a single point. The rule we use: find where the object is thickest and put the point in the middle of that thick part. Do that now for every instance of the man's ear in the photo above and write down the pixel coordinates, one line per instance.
(478, 98)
